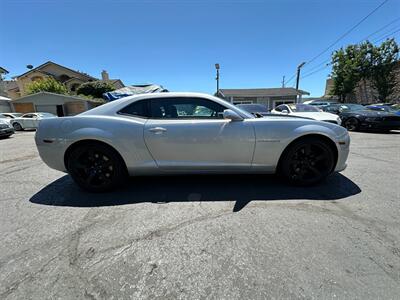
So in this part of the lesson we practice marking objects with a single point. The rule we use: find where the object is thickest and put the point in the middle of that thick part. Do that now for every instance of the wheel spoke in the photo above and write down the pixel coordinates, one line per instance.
(90, 178)
(315, 171)
(319, 158)
(307, 149)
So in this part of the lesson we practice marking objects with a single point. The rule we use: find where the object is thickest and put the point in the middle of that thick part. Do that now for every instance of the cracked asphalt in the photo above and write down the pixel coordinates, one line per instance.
(196, 237)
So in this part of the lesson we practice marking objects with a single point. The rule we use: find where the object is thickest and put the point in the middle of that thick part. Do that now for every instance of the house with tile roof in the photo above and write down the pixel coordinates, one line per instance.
(69, 77)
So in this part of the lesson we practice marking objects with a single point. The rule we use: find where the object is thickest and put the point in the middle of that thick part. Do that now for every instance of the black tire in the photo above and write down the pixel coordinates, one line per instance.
(17, 126)
(96, 167)
(307, 161)
(352, 124)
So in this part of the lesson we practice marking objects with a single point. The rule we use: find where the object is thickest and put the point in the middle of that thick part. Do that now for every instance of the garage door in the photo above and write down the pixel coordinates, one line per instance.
(5, 107)
(47, 108)
(23, 107)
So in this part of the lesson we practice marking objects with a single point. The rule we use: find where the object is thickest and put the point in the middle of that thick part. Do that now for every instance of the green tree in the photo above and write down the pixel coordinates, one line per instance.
(46, 85)
(384, 59)
(345, 71)
(95, 89)
(363, 62)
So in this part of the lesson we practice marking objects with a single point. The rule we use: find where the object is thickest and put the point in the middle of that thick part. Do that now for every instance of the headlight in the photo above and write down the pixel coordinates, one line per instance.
(339, 120)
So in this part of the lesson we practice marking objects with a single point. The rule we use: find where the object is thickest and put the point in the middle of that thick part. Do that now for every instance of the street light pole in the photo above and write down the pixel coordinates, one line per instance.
(217, 77)
(298, 74)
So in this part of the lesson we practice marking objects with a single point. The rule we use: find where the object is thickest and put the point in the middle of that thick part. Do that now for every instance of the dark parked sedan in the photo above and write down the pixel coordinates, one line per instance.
(6, 129)
(356, 117)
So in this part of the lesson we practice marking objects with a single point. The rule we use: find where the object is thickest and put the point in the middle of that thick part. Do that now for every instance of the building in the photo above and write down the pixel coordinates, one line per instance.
(271, 97)
(59, 105)
(3, 72)
(70, 78)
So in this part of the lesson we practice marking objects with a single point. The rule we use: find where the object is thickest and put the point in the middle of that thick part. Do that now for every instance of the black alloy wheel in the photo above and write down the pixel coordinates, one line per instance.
(96, 167)
(308, 161)
(352, 124)
(17, 126)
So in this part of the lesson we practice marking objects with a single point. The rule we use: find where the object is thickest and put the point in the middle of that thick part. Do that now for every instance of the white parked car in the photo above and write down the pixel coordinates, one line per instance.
(306, 111)
(7, 117)
(30, 120)
(186, 133)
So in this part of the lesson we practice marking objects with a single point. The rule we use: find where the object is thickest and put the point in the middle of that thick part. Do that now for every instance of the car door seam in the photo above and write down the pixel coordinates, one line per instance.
(144, 141)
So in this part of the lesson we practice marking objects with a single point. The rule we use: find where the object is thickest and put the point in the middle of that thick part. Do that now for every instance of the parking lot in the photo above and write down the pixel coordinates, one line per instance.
(223, 237)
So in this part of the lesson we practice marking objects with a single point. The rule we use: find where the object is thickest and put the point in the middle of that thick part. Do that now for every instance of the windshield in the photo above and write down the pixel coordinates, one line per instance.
(352, 107)
(253, 108)
(46, 115)
(383, 108)
(303, 108)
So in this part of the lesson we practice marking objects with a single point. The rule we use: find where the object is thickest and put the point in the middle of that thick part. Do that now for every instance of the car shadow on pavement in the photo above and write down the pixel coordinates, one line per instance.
(239, 188)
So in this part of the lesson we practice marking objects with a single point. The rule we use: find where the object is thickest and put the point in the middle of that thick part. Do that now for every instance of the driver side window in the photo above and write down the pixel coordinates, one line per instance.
(279, 108)
(185, 108)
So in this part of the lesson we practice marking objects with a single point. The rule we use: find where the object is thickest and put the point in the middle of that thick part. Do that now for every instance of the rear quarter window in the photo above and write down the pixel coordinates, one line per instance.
(137, 109)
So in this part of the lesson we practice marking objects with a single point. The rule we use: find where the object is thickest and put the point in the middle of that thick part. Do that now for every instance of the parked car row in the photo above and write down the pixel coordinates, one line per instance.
(350, 115)
(25, 121)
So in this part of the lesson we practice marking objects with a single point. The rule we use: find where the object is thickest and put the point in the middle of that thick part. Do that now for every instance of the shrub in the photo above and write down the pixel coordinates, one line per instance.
(46, 85)
(95, 88)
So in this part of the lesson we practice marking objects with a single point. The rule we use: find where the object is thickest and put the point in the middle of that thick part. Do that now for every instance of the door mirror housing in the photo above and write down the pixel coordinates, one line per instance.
(285, 111)
(232, 115)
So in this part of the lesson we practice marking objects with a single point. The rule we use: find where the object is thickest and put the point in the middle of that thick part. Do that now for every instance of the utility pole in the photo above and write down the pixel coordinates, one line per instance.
(283, 81)
(298, 74)
(217, 77)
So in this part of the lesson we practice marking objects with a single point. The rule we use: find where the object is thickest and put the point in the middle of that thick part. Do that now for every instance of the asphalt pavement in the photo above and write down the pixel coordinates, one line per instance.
(197, 237)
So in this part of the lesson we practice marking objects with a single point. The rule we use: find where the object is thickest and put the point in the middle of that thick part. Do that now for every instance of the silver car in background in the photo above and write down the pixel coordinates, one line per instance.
(30, 120)
(187, 133)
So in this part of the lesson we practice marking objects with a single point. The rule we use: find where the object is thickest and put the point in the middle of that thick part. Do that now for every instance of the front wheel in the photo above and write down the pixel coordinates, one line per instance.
(307, 161)
(352, 124)
(96, 167)
(17, 126)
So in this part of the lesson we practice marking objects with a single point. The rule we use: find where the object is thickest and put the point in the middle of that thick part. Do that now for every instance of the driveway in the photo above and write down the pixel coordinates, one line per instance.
(218, 237)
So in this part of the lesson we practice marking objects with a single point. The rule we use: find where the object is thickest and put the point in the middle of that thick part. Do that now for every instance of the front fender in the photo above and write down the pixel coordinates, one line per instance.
(273, 137)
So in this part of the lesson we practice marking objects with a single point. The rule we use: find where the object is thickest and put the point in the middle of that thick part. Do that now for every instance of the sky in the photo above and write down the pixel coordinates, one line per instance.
(176, 43)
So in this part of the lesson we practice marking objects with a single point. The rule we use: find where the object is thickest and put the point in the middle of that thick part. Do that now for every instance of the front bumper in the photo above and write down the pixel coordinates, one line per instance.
(6, 131)
(382, 125)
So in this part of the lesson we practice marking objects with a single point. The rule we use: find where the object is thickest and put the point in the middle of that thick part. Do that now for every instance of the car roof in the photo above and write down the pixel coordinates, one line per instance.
(116, 105)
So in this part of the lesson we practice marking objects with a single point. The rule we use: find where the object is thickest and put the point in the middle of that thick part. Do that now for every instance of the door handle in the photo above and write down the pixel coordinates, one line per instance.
(157, 130)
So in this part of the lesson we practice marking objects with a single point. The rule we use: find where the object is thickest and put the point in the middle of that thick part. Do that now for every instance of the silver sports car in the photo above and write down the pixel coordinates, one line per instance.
(182, 133)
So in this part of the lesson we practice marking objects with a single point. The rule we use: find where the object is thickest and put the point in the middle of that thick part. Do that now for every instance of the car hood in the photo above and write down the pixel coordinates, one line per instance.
(320, 116)
(370, 113)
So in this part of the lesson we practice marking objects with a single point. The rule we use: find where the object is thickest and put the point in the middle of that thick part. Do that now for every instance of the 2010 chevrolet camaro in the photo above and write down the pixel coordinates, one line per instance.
(182, 133)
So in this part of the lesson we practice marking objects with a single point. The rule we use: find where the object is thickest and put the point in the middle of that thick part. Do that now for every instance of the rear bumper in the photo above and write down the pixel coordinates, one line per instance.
(52, 154)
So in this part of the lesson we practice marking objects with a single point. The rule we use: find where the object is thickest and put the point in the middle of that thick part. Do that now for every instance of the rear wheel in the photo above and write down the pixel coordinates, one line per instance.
(17, 126)
(307, 161)
(352, 124)
(96, 167)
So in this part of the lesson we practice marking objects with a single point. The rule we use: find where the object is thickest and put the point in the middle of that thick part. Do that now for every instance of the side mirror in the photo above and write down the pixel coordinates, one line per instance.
(232, 115)
(285, 111)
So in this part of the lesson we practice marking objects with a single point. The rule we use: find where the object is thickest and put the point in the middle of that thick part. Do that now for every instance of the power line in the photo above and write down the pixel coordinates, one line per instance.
(387, 35)
(365, 38)
(327, 65)
(380, 29)
(291, 78)
(316, 71)
(347, 32)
